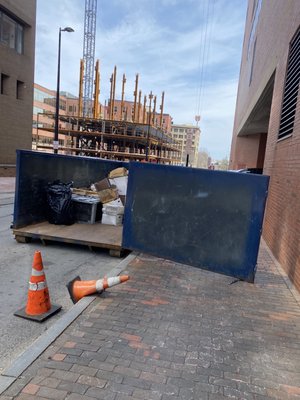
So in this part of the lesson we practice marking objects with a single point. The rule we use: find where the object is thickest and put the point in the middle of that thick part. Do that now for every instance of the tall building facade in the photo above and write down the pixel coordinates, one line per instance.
(267, 120)
(17, 44)
(188, 138)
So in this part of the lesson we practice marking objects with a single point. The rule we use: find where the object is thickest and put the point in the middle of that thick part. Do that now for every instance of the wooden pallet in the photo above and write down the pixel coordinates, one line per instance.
(92, 235)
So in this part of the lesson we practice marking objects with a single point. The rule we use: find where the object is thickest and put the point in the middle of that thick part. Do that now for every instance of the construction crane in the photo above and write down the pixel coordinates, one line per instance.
(89, 55)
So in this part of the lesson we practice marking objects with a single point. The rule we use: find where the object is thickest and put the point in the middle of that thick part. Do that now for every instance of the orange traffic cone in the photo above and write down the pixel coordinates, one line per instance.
(38, 306)
(78, 288)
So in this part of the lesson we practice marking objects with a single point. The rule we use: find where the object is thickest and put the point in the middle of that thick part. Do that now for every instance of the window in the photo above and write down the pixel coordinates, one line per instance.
(51, 101)
(36, 125)
(20, 90)
(70, 108)
(37, 110)
(252, 63)
(291, 89)
(257, 9)
(19, 38)
(62, 104)
(11, 33)
(8, 31)
(4, 84)
(44, 97)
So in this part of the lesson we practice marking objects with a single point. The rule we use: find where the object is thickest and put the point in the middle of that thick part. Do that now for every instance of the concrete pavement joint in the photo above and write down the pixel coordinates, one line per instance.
(10, 374)
(122, 265)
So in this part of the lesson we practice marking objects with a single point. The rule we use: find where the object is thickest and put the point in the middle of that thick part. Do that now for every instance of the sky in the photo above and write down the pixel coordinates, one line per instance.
(190, 49)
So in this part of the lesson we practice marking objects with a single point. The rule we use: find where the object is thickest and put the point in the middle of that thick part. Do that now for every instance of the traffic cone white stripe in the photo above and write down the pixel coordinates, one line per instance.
(99, 285)
(35, 272)
(37, 286)
(113, 281)
(102, 284)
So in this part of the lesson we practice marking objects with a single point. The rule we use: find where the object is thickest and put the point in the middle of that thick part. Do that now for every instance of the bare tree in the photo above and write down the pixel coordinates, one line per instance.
(203, 157)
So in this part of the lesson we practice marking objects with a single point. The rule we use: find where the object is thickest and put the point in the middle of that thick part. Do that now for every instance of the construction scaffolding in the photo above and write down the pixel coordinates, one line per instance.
(113, 139)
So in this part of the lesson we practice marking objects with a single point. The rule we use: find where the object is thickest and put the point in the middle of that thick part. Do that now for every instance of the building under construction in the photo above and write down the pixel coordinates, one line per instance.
(121, 130)
(112, 139)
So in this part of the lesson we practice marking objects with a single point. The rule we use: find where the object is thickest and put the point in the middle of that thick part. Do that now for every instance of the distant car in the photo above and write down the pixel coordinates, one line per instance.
(251, 171)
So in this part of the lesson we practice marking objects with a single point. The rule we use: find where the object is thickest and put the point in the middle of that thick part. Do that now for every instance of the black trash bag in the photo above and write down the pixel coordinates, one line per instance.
(60, 207)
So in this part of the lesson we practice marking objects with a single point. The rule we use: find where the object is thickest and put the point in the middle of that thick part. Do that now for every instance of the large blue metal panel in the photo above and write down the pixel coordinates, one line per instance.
(207, 219)
(35, 170)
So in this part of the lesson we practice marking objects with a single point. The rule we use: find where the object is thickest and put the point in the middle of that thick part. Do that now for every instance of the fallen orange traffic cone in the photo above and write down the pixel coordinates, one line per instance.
(78, 288)
(38, 306)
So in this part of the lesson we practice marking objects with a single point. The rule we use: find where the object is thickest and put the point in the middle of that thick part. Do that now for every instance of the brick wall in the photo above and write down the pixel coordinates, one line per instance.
(275, 29)
(246, 150)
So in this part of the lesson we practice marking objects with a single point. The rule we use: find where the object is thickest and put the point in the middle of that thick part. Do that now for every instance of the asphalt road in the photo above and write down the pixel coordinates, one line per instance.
(62, 262)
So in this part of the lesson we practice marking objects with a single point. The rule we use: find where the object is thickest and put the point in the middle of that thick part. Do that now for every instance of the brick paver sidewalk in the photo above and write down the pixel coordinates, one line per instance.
(176, 332)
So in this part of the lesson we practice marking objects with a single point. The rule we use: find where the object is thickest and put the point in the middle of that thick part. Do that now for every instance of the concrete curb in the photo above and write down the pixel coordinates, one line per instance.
(24, 360)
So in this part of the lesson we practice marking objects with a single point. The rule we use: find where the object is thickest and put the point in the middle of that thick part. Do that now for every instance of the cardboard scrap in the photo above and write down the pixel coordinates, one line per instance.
(107, 195)
(84, 192)
(101, 185)
(116, 173)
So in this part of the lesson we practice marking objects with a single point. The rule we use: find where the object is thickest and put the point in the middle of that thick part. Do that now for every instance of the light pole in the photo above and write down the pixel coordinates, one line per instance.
(55, 141)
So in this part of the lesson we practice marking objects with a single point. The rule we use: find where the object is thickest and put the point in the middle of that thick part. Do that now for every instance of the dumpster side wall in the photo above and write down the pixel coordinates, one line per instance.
(35, 170)
(207, 219)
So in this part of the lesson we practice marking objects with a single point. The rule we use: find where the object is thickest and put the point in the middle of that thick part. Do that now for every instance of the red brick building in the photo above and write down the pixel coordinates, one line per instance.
(44, 103)
(267, 120)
